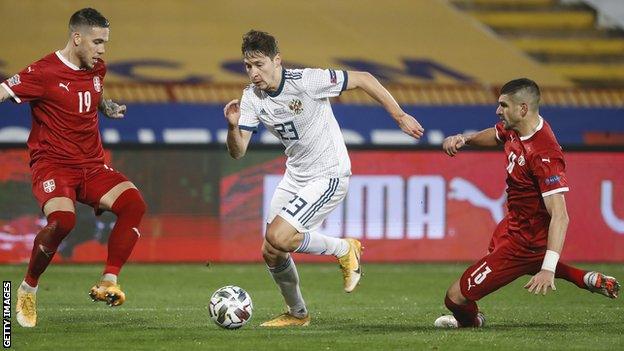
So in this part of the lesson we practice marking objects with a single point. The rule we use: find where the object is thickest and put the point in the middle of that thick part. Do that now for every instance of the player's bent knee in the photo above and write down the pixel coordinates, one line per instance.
(277, 239)
(269, 257)
(65, 221)
(60, 223)
(270, 254)
(454, 293)
(130, 201)
(267, 250)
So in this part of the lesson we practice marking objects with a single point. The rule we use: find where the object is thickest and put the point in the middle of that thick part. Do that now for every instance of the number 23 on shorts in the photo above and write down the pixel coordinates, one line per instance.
(295, 206)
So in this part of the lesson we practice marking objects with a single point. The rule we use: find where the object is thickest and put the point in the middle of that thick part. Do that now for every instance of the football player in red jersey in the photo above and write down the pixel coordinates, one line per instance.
(64, 90)
(530, 238)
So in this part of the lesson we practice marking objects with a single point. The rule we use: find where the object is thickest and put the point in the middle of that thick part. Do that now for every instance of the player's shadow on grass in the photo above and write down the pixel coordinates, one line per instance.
(101, 321)
(378, 328)
(383, 328)
(563, 327)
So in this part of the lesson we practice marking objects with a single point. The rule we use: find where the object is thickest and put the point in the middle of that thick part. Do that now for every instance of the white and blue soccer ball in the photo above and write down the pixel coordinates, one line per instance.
(230, 307)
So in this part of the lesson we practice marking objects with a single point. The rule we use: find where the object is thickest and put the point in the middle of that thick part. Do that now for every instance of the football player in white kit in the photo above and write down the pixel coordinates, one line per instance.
(294, 106)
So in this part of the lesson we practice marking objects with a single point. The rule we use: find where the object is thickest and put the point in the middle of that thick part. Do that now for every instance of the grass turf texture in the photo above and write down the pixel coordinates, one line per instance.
(393, 309)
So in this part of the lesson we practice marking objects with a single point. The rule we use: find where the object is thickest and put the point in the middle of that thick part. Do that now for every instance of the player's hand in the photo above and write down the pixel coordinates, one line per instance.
(231, 111)
(410, 126)
(541, 282)
(452, 144)
(112, 109)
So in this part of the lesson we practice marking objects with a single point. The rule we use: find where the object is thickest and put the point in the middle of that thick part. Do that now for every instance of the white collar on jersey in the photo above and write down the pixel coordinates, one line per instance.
(540, 124)
(66, 61)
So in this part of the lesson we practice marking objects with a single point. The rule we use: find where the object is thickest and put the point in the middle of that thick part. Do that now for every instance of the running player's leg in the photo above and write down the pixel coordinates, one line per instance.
(60, 213)
(53, 188)
(110, 190)
(286, 237)
(296, 228)
(283, 270)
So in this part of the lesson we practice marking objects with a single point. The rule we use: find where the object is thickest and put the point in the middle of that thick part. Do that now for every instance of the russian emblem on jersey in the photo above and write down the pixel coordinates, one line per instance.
(49, 185)
(332, 76)
(97, 84)
(296, 106)
(15, 80)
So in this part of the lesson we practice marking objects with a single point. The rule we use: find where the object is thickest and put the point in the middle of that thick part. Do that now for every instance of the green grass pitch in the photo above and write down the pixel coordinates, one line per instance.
(393, 309)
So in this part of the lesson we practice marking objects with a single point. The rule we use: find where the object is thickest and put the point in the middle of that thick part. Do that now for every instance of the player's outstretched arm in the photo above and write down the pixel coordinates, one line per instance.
(237, 139)
(374, 89)
(545, 278)
(112, 109)
(484, 138)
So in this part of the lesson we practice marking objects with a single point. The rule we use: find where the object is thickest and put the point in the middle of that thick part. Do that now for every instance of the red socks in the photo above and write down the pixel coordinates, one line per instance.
(60, 223)
(571, 274)
(466, 315)
(129, 208)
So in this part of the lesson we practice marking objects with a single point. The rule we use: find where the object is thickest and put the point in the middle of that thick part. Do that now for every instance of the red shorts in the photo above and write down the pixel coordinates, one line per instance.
(86, 185)
(506, 262)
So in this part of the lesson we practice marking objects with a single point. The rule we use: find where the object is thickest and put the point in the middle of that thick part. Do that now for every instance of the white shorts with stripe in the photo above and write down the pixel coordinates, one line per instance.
(305, 207)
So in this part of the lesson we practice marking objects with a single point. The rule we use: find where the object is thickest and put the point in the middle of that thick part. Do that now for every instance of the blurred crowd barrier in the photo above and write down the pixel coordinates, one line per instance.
(405, 205)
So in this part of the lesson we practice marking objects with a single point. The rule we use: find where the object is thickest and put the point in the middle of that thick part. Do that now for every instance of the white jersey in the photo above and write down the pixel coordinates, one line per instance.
(299, 114)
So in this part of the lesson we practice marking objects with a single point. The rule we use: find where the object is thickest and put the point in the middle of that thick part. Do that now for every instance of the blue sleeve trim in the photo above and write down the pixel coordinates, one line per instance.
(332, 76)
(248, 128)
(345, 82)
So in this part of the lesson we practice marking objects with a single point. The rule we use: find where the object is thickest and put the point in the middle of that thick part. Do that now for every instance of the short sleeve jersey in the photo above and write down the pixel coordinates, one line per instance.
(64, 102)
(299, 114)
(535, 169)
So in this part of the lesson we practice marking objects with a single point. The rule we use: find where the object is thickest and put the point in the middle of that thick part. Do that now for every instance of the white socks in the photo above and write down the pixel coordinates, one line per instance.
(287, 278)
(317, 243)
(109, 277)
(29, 289)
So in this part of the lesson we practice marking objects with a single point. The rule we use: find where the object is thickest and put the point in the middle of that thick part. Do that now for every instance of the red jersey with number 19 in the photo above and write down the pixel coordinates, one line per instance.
(535, 169)
(64, 100)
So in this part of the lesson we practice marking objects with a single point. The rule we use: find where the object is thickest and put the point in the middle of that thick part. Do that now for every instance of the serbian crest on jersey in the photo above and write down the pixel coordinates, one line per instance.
(521, 160)
(97, 85)
(296, 106)
(49, 185)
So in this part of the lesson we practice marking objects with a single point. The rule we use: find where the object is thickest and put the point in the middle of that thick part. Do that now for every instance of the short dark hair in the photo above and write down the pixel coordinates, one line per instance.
(258, 42)
(87, 17)
(522, 85)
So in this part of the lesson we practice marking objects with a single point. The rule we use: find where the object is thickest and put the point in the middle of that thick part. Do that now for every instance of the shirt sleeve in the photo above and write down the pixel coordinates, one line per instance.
(324, 83)
(249, 119)
(25, 86)
(549, 170)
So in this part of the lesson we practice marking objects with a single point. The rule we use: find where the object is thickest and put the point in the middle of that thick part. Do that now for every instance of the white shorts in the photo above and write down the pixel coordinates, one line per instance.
(305, 207)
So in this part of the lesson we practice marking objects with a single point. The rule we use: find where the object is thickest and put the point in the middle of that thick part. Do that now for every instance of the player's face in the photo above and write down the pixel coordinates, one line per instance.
(264, 72)
(509, 112)
(91, 45)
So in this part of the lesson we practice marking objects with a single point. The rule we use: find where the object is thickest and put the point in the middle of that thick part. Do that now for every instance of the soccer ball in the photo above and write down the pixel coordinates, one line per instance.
(230, 307)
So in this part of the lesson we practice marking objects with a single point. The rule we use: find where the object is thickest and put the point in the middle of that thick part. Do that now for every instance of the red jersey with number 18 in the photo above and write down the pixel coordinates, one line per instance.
(64, 100)
(535, 169)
